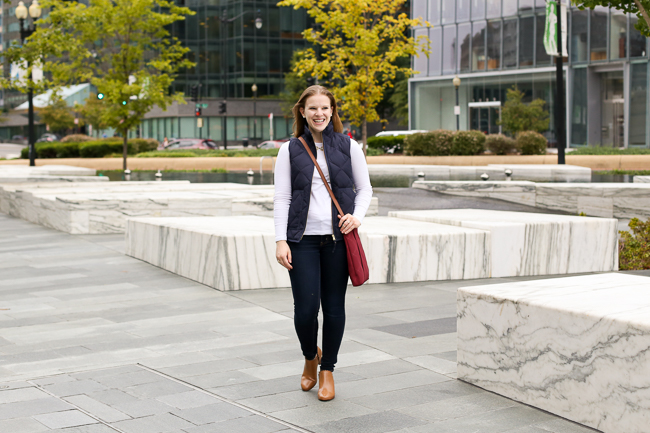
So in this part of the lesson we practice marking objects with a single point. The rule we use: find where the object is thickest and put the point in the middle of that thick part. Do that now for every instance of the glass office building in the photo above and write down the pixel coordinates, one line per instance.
(495, 44)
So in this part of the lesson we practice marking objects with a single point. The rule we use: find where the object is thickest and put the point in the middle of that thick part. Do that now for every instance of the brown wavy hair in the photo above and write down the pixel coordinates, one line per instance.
(299, 122)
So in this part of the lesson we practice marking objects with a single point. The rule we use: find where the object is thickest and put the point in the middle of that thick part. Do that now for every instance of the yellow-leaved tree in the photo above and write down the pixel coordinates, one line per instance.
(357, 44)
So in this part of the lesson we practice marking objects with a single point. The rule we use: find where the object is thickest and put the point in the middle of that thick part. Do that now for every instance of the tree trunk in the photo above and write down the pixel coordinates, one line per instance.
(125, 148)
(643, 11)
(364, 136)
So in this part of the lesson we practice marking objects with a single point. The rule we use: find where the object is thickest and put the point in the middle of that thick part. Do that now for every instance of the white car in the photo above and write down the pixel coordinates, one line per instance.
(396, 133)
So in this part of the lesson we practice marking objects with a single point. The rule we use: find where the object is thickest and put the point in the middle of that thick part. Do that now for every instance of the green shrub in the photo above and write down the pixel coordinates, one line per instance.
(144, 144)
(173, 153)
(374, 152)
(47, 150)
(76, 138)
(386, 143)
(434, 143)
(587, 150)
(99, 149)
(634, 247)
(468, 143)
(531, 143)
(500, 144)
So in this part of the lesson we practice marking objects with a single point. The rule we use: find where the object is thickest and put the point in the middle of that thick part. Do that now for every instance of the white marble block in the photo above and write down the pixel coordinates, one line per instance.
(235, 253)
(641, 179)
(547, 172)
(578, 347)
(522, 192)
(535, 244)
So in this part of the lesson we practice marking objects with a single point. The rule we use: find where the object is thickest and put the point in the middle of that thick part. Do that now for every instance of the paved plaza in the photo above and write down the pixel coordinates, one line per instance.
(93, 341)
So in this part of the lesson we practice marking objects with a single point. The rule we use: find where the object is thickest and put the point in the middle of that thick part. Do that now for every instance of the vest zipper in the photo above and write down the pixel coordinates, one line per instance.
(325, 180)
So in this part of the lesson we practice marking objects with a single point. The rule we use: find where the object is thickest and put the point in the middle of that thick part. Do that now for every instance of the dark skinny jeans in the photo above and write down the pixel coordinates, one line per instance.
(319, 276)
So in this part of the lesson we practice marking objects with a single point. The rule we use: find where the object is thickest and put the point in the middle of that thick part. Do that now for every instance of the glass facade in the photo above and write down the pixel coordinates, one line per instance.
(500, 43)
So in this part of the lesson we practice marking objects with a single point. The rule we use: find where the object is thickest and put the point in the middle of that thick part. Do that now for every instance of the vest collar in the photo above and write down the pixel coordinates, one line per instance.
(328, 133)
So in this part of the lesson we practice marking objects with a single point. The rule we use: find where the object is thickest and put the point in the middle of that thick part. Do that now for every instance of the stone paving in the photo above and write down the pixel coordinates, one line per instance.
(92, 341)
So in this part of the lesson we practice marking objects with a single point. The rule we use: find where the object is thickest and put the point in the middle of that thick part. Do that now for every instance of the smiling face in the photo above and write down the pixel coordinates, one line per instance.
(317, 112)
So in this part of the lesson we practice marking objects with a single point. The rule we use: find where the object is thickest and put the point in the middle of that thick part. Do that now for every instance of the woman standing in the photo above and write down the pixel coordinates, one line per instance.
(309, 231)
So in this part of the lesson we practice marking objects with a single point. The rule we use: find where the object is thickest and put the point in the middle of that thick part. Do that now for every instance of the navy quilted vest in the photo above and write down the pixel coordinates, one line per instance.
(337, 154)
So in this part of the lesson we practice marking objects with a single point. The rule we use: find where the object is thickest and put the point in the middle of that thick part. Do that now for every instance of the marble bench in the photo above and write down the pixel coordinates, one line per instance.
(534, 243)
(48, 173)
(234, 253)
(578, 347)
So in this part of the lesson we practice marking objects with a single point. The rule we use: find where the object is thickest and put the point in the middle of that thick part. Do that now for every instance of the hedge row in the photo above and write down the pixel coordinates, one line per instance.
(445, 143)
(90, 149)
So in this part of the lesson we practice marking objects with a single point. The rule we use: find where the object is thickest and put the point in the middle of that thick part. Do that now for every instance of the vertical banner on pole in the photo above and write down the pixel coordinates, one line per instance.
(270, 126)
(550, 30)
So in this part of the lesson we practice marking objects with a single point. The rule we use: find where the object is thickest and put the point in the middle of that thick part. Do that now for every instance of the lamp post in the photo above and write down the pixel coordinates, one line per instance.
(456, 82)
(21, 14)
(224, 59)
(254, 89)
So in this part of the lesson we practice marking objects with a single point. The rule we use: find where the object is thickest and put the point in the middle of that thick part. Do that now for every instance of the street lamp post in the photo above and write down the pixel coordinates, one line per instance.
(224, 58)
(21, 14)
(254, 89)
(456, 82)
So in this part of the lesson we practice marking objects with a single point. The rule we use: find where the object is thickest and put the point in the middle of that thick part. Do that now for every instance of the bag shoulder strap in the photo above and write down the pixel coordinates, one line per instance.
(322, 176)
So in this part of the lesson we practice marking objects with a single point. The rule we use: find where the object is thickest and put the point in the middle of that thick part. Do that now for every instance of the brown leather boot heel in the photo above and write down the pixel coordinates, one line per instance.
(309, 373)
(325, 385)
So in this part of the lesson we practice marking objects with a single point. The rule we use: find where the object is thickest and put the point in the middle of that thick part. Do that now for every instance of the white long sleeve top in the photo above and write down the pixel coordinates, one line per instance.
(319, 217)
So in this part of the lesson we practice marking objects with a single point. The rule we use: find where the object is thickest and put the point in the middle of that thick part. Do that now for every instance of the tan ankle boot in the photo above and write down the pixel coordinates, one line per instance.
(309, 373)
(325, 385)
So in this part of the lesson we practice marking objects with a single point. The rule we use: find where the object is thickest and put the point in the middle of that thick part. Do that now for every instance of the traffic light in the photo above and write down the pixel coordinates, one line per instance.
(100, 96)
(222, 107)
(194, 93)
(197, 112)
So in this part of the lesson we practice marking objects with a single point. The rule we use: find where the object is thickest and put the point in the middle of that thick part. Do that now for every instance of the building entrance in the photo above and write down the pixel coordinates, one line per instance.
(484, 116)
(612, 110)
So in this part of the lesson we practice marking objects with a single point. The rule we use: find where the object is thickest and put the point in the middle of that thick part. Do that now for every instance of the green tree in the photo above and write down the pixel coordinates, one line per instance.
(400, 101)
(359, 44)
(639, 8)
(517, 116)
(57, 116)
(93, 113)
(122, 47)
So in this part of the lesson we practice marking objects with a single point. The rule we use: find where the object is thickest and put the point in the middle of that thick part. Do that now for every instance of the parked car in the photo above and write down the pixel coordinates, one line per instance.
(18, 139)
(192, 143)
(273, 144)
(48, 137)
(396, 133)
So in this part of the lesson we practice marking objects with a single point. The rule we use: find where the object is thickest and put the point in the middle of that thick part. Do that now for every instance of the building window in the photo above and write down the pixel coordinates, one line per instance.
(420, 62)
(478, 46)
(478, 9)
(419, 9)
(637, 40)
(638, 103)
(449, 49)
(448, 11)
(541, 58)
(462, 10)
(579, 27)
(510, 43)
(494, 45)
(493, 8)
(579, 108)
(526, 6)
(617, 34)
(464, 31)
(509, 8)
(598, 50)
(526, 41)
(434, 12)
(436, 45)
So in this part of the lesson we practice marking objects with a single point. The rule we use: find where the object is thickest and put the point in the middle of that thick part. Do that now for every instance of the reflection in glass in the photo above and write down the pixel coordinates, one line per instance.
(493, 8)
(462, 10)
(617, 34)
(509, 7)
(435, 35)
(464, 31)
(598, 34)
(434, 12)
(421, 62)
(637, 40)
(579, 108)
(448, 11)
(510, 43)
(419, 9)
(478, 46)
(541, 57)
(478, 9)
(526, 5)
(638, 101)
(579, 29)
(493, 45)
(526, 41)
(449, 49)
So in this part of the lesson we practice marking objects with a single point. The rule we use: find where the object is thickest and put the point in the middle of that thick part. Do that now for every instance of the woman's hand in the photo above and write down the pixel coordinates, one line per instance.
(348, 223)
(283, 254)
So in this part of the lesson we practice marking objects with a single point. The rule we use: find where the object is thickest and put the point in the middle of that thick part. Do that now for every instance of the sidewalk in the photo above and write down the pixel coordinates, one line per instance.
(93, 341)
(595, 162)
